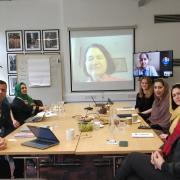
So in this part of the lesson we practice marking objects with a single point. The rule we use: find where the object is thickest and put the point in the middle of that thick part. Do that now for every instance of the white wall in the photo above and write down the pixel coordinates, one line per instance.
(149, 36)
(26, 15)
(43, 14)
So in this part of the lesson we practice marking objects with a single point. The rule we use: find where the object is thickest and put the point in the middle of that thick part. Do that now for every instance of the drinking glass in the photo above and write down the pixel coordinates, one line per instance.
(122, 125)
(52, 107)
(112, 124)
(61, 106)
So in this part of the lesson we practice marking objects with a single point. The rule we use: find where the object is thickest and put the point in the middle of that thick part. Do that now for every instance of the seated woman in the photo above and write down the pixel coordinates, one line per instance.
(145, 98)
(160, 115)
(23, 106)
(175, 105)
(162, 164)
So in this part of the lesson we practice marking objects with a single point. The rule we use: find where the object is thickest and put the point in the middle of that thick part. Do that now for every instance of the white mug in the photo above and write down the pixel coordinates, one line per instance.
(70, 133)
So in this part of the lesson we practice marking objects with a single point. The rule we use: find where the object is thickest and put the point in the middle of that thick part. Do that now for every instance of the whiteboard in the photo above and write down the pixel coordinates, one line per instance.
(50, 94)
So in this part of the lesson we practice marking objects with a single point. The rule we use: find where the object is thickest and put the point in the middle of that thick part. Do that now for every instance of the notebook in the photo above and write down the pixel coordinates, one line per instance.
(45, 138)
(38, 117)
(124, 115)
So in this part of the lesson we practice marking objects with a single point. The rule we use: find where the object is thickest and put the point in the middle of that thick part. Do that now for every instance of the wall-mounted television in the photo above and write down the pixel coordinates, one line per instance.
(153, 64)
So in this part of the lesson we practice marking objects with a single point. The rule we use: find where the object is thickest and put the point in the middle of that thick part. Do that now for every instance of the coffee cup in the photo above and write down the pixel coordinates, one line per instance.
(70, 133)
(134, 117)
(129, 120)
(97, 124)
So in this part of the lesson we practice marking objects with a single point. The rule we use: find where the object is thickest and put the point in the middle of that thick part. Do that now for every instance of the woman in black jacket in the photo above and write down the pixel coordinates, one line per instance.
(23, 106)
(163, 164)
(145, 97)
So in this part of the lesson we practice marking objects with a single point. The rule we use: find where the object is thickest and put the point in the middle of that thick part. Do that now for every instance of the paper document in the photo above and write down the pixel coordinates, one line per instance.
(126, 109)
(39, 72)
(24, 129)
(24, 134)
(50, 114)
(111, 141)
(143, 134)
(40, 114)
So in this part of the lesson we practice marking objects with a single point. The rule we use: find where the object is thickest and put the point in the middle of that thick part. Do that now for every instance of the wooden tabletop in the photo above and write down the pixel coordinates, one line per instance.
(58, 125)
(95, 142)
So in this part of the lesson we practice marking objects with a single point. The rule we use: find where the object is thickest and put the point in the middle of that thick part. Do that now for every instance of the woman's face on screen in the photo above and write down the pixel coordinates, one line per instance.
(96, 63)
(23, 89)
(176, 96)
(143, 60)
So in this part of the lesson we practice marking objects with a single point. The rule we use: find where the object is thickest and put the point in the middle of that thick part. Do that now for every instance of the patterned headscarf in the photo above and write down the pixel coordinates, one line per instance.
(25, 97)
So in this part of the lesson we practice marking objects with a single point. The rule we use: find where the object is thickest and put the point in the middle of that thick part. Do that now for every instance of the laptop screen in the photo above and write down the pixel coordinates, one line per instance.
(43, 133)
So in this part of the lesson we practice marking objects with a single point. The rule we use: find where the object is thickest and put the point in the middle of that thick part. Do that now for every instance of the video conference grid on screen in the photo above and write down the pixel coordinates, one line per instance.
(159, 61)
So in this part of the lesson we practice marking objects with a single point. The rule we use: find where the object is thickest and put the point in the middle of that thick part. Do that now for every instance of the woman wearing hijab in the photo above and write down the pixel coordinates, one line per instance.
(160, 115)
(23, 106)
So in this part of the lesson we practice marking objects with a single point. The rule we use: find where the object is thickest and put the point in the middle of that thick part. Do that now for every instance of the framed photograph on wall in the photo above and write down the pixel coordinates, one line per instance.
(51, 41)
(14, 41)
(32, 40)
(11, 63)
(12, 79)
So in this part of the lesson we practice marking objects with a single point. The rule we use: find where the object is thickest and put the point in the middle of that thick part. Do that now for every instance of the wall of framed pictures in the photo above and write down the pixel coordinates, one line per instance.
(54, 90)
(33, 40)
(28, 42)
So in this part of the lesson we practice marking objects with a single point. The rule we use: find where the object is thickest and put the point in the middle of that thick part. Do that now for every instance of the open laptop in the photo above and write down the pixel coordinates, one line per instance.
(38, 117)
(45, 138)
(98, 104)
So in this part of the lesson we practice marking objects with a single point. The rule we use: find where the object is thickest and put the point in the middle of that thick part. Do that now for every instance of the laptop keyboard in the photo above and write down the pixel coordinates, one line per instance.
(42, 142)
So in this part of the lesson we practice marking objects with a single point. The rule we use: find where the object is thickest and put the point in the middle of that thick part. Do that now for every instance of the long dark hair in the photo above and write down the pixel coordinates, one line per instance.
(165, 84)
(173, 104)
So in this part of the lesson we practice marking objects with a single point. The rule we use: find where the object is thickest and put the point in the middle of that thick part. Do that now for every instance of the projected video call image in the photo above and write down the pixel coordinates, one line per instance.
(104, 59)
(96, 62)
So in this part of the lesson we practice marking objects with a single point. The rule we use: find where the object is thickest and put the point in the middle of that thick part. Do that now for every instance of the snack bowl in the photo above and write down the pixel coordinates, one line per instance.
(85, 126)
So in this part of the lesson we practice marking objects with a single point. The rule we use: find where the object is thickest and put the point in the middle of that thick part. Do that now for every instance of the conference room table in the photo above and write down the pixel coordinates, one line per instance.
(57, 125)
(95, 142)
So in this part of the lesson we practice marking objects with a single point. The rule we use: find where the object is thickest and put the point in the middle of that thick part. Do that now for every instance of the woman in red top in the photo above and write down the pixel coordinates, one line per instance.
(162, 164)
